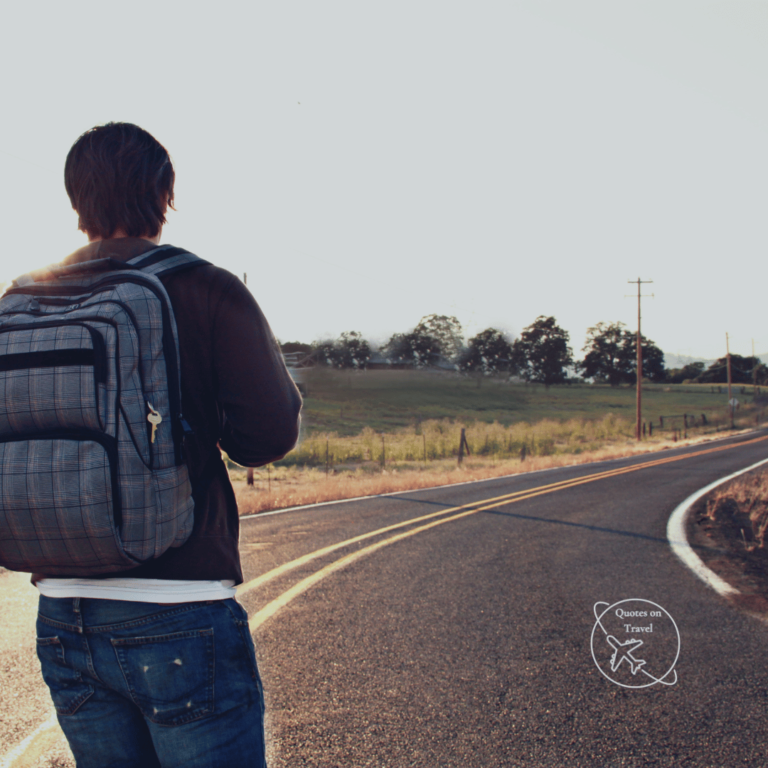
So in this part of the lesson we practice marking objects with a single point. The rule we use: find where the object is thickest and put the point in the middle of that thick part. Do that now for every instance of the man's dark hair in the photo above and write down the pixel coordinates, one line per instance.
(118, 176)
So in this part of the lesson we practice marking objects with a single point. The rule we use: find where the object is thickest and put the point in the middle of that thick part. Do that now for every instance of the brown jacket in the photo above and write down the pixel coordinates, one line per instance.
(235, 393)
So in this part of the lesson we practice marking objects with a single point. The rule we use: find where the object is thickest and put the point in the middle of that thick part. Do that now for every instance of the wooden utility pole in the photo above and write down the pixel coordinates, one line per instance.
(639, 408)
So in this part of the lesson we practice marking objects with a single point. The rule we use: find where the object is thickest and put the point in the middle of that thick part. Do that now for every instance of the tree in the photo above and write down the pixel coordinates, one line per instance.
(325, 352)
(350, 350)
(353, 350)
(542, 352)
(611, 356)
(419, 349)
(396, 348)
(653, 360)
(435, 337)
(488, 352)
(688, 372)
(607, 356)
(446, 331)
(741, 370)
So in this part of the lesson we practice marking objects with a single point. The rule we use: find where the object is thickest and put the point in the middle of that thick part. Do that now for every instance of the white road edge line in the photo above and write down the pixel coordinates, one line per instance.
(679, 542)
(482, 480)
(14, 754)
(675, 535)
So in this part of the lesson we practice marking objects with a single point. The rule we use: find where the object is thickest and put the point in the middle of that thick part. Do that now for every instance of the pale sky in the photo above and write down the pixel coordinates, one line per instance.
(368, 163)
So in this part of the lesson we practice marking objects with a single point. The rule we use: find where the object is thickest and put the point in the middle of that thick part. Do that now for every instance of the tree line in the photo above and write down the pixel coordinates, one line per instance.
(541, 353)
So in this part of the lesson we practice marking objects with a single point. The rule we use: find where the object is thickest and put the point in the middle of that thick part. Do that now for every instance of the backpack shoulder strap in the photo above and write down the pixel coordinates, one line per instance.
(159, 261)
(58, 271)
(165, 260)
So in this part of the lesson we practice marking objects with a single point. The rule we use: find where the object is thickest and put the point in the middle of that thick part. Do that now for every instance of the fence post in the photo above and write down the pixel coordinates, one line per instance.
(463, 445)
(522, 454)
(326, 457)
(424, 439)
(383, 452)
(249, 476)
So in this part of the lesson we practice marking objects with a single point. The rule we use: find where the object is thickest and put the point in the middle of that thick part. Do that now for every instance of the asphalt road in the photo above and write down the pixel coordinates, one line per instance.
(466, 637)
(468, 644)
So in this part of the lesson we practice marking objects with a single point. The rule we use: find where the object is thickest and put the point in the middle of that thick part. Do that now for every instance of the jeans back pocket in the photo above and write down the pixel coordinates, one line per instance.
(170, 677)
(68, 689)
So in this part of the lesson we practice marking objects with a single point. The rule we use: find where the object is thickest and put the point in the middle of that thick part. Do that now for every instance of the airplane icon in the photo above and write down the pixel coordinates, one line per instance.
(625, 653)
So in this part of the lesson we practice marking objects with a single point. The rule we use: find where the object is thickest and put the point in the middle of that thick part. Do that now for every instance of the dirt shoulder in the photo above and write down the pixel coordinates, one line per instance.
(721, 532)
(282, 487)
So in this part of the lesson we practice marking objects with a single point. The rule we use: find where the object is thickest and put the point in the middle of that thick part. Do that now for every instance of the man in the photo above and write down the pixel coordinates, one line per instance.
(155, 666)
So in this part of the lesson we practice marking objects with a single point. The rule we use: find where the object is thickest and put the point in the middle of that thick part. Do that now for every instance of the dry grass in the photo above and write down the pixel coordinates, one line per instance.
(436, 439)
(288, 486)
(744, 503)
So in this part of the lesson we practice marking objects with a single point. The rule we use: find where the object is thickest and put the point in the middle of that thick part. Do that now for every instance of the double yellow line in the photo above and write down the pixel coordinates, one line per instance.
(445, 515)
(47, 735)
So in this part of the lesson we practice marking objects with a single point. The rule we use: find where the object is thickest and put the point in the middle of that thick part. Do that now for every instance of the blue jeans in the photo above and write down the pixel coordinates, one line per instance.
(149, 685)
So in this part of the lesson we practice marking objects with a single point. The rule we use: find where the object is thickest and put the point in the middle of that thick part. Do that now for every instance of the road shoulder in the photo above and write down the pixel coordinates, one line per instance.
(720, 545)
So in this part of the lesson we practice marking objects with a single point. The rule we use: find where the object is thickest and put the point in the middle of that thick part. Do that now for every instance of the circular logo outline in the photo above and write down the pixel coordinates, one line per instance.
(598, 623)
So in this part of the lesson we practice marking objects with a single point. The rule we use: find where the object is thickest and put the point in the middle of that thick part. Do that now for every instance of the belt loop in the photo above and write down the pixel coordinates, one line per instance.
(78, 613)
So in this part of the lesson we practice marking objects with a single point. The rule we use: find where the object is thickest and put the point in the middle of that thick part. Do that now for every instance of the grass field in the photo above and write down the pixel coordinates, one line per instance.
(346, 403)
(378, 431)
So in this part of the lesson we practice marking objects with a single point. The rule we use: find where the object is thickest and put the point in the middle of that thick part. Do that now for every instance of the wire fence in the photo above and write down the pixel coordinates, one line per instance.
(434, 440)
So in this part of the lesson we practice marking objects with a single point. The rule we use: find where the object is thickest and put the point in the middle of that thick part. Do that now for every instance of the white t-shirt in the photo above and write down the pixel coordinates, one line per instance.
(139, 590)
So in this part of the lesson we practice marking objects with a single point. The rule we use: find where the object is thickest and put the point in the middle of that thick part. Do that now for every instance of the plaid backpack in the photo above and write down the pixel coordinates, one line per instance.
(92, 473)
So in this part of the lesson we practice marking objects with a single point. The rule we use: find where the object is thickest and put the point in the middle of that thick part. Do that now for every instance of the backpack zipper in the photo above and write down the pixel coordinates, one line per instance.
(97, 341)
(169, 344)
